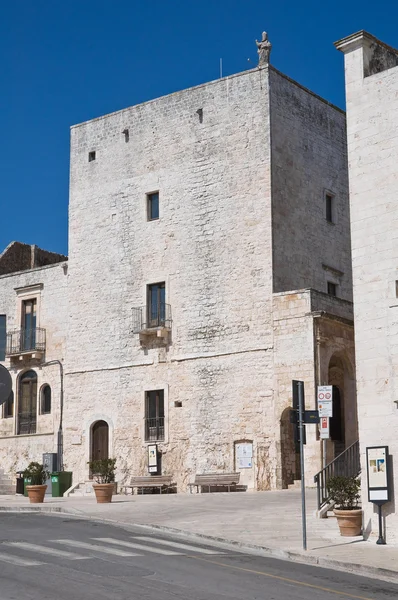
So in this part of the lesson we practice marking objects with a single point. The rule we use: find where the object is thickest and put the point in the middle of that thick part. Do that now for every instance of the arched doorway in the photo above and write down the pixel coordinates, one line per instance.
(343, 424)
(27, 403)
(100, 441)
(290, 458)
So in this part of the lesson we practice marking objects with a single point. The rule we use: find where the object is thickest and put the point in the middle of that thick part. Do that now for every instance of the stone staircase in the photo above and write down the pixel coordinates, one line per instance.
(85, 488)
(6, 485)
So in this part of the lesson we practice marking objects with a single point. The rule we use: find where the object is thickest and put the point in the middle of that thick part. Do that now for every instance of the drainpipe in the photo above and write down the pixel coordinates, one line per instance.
(60, 442)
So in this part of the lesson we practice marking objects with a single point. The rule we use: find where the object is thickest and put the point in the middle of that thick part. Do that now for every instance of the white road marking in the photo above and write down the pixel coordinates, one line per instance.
(95, 547)
(139, 546)
(177, 545)
(20, 562)
(46, 550)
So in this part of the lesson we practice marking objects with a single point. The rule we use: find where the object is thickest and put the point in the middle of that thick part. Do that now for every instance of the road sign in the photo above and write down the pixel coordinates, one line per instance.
(311, 417)
(324, 428)
(325, 400)
(5, 384)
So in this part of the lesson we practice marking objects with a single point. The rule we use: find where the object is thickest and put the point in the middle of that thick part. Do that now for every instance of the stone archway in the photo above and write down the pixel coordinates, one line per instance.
(343, 424)
(290, 458)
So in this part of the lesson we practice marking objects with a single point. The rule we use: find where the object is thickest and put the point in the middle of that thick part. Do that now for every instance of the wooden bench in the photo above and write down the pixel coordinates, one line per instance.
(215, 480)
(148, 481)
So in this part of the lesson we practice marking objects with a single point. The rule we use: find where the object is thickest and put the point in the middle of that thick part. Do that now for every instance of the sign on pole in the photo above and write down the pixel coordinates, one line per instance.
(325, 400)
(153, 458)
(377, 466)
(324, 428)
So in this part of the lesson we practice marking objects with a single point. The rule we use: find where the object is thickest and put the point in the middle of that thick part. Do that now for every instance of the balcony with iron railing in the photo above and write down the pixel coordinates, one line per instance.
(152, 320)
(154, 429)
(26, 341)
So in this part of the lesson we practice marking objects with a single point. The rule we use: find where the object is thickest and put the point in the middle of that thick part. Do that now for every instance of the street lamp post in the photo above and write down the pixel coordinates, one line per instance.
(60, 442)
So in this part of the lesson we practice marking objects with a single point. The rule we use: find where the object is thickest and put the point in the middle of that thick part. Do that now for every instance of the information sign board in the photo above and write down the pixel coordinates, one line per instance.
(325, 400)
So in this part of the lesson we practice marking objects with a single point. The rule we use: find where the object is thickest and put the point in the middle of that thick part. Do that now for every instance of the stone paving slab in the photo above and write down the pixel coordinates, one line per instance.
(270, 521)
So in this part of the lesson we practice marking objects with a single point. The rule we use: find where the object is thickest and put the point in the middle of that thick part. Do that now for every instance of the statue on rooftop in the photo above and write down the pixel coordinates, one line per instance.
(263, 50)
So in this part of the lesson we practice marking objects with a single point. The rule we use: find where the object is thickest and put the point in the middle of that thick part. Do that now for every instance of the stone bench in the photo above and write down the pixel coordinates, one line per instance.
(148, 481)
(215, 480)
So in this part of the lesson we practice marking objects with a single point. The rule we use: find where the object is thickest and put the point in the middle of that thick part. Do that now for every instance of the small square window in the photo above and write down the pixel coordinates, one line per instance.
(91, 156)
(153, 206)
(332, 288)
(329, 208)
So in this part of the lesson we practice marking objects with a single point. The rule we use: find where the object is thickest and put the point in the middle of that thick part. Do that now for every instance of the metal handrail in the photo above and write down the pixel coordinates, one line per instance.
(26, 340)
(347, 464)
(148, 317)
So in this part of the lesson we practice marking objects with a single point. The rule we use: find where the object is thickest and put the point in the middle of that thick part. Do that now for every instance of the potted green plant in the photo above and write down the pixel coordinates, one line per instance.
(103, 471)
(37, 475)
(345, 493)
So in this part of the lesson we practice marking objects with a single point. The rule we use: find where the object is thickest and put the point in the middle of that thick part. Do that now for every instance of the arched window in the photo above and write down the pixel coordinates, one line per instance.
(27, 403)
(9, 406)
(45, 408)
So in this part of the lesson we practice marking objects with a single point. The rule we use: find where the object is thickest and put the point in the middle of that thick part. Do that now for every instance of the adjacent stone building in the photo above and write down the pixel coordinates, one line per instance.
(371, 72)
(209, 265)
(33, 319)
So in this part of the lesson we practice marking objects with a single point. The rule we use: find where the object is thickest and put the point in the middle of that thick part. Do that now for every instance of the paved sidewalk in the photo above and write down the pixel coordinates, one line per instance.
(267, 520)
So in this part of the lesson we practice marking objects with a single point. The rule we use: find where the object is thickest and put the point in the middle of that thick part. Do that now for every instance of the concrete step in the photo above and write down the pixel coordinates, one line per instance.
(6, 484)
(296, 485)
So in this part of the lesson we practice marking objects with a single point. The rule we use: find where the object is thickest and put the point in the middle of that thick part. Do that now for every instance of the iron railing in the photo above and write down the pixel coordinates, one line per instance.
(26, 340)
(151, 317)
(154, 429)
(26, 423)
(348, 464)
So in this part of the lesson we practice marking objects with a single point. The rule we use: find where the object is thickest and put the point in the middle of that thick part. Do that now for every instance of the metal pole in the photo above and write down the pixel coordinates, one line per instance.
(301, 430)
(381, 541)
(60, 442)
(324, 461)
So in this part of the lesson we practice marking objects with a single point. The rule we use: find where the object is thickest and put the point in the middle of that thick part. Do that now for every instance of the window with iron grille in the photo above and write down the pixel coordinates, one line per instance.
(154, 416)
(3, 338)
(27, 403)
(9, 406)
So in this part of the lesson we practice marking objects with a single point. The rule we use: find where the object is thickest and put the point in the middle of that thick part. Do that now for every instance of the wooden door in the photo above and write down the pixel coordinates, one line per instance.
(100, 441)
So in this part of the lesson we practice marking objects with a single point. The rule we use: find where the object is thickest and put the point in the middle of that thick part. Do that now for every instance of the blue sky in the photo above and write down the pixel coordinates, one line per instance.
(66, 62)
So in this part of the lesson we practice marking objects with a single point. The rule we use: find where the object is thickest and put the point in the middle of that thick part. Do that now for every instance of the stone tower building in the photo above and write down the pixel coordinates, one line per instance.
(371, 72)
(209, 266)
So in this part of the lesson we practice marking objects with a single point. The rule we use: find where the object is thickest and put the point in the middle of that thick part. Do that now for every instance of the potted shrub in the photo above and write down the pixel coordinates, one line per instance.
(344, 491)
(103, 472)
(38, 476)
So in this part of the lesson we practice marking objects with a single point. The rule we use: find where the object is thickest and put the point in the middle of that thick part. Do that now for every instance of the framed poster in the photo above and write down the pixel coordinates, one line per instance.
(377, 473)
(153, 458)
(244, 455)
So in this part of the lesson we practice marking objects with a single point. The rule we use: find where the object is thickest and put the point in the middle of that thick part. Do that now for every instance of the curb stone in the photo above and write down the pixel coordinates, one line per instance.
(277, 553)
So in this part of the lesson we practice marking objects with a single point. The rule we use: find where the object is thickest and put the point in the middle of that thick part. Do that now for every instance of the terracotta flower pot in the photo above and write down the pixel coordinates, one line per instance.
(103, 492)
(36, 493)
(350, 521)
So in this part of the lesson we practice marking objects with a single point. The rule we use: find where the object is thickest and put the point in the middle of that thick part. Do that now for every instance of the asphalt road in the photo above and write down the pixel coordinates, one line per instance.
(53, 557)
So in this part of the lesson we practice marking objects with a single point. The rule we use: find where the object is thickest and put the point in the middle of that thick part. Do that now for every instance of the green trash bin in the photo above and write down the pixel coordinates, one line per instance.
(60, 482)
(26, 481)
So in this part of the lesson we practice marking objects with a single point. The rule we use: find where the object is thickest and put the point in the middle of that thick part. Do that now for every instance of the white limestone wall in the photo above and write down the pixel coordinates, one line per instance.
(212, 247)
(16, 451)
(308, 158)
(372, 127)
